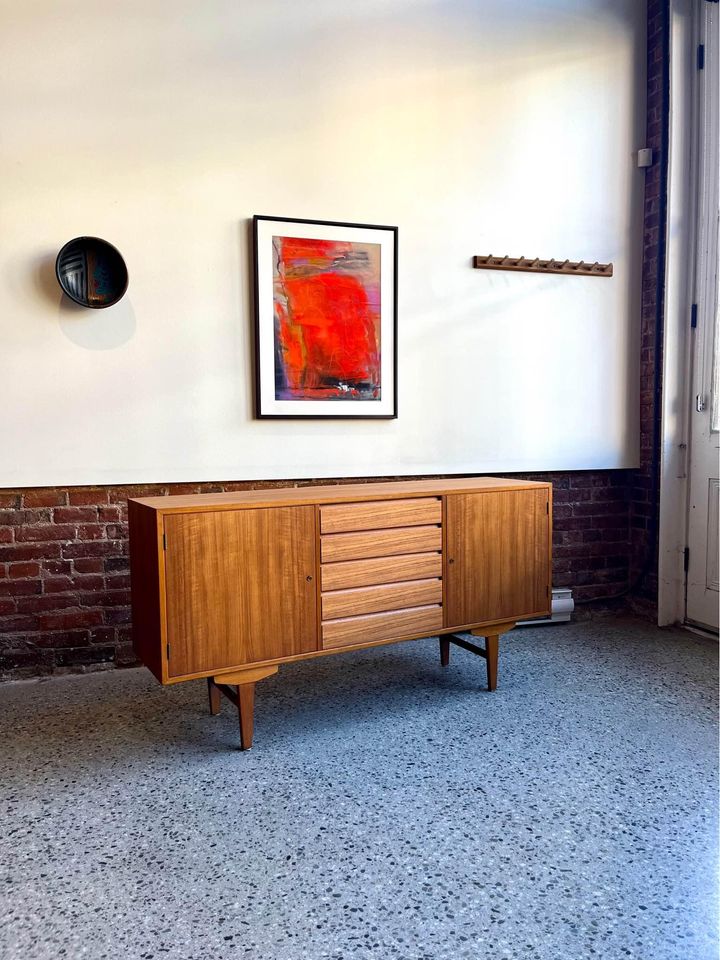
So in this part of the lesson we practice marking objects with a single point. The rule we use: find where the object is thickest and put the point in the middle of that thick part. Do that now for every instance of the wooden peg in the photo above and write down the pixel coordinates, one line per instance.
(563, 265)
(579, 266)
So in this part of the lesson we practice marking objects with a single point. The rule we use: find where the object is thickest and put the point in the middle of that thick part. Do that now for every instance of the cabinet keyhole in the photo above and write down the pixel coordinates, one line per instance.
(308, 578)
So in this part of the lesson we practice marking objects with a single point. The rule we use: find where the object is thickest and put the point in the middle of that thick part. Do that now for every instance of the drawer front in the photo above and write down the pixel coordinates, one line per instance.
(380, 543)
(382, 626)
(394, 596)
(380, 514)
(366, 573)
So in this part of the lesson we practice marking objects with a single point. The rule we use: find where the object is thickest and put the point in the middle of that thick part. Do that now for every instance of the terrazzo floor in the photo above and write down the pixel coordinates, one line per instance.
(389, 809)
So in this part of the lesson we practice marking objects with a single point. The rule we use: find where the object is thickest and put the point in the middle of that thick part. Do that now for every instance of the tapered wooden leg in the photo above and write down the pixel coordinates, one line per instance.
(213, 696)
(444, 651)
(492, 645)
(239, 688)
(491, 658)
(246, 706)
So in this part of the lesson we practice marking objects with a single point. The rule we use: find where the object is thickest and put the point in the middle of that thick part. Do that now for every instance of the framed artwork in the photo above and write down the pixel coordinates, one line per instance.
(326, 319)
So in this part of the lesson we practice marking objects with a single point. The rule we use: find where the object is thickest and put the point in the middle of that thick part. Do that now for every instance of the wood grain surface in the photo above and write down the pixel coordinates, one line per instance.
(248, 579)
(419, 621)
(334, 493)
(395, 596)
(380, 514)
(147, 590)
(379, 543)
(238, 588)
(365, 573)
(497, 552)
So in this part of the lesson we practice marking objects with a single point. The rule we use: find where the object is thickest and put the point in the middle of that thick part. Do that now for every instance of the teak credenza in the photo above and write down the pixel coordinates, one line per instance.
(229, 586)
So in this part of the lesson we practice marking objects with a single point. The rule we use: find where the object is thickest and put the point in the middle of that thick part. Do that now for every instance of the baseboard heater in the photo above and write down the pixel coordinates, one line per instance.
(562, 608)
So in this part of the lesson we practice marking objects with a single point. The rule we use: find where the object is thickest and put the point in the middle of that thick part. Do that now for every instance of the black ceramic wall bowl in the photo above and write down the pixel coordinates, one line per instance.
(91, 272)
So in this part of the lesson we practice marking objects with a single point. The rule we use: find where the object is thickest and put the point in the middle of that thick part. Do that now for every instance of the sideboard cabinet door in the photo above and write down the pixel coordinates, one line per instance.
(240, 587)
(498, 556)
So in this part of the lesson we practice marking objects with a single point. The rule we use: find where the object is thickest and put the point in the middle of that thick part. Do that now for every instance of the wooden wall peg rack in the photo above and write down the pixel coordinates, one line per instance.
(578, 268)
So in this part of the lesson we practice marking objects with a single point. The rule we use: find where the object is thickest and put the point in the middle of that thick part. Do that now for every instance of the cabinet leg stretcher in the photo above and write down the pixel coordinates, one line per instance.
(489, 652)
(239, 687)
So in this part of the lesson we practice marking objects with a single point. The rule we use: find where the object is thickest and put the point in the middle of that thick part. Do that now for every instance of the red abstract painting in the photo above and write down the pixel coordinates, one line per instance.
(326, 304)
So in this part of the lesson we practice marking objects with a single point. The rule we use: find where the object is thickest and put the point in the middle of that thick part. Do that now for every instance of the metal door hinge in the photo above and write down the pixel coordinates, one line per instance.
(700, 403)
(547, 507)
(167, 651)
(701, 56)
(164, 541)
(686, 559)
(693, 316)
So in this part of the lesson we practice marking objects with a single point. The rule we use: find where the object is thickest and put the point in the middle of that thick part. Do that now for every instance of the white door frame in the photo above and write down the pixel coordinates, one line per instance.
(687, 18)
(702, 598)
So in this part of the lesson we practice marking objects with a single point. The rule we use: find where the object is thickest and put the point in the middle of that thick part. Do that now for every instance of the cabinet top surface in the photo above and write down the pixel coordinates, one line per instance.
(332, 493)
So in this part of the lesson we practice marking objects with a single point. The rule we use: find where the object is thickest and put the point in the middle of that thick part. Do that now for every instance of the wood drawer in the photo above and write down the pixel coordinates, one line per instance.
(366, 573)
(394, 596)
(380, 514)
(382, 626)
(379, 543)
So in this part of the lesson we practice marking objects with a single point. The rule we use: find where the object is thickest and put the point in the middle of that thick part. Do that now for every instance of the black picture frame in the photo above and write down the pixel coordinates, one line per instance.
(263, 229)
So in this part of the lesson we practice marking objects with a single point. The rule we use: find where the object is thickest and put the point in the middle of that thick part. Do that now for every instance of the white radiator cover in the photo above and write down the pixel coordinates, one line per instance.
(562, 608)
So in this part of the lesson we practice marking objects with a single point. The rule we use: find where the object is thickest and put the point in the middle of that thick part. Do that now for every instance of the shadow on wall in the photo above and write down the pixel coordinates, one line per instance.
(104, 329)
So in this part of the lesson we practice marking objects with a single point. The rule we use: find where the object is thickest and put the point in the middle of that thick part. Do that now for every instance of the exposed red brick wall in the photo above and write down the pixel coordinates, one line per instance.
(591, 536)
(64, 574)
(644, 490)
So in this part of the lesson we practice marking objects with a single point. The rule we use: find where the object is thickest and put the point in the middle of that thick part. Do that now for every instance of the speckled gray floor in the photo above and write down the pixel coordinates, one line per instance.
(389, 809)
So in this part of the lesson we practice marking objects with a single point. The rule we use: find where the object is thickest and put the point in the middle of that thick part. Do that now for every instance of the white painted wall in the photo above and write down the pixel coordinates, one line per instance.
(476, 126)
